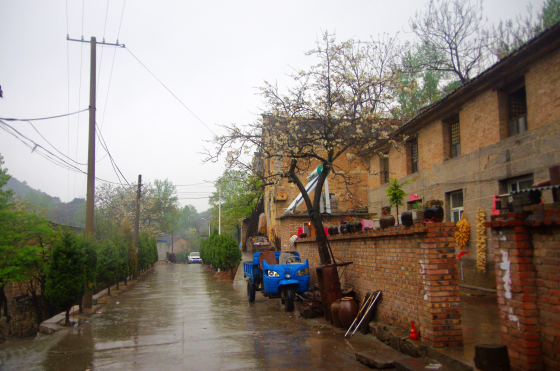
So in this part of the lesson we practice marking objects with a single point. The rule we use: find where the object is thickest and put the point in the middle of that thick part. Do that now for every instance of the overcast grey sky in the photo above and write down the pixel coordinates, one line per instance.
(210, 54)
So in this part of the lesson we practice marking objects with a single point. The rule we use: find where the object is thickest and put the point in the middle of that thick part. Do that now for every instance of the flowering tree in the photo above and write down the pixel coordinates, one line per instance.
(340, 106)
(114, 204)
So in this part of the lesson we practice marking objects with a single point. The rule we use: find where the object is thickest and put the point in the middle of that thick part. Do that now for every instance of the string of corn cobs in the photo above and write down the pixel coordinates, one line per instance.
(480, 241)
(463, 232)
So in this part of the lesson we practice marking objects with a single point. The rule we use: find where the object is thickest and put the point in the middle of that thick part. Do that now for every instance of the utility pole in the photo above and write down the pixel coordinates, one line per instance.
(91, 147)
(137, 221)
(90, 197)
(220, 212)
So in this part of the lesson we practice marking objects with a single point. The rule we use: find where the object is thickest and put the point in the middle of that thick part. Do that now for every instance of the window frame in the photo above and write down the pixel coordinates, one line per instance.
(454, 127)
(459, 209)
(517, 101)
(414, 149)
(384, 168)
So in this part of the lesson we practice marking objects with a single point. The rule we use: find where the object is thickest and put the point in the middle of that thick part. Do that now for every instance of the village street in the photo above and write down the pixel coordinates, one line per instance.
(179, 317)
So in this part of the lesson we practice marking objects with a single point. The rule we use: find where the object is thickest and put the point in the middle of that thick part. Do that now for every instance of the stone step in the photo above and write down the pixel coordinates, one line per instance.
(417, 364)
(380, 358)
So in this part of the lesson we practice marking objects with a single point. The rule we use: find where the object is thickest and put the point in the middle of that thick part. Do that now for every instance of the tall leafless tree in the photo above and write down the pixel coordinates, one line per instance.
(454, 31)
(340, 106)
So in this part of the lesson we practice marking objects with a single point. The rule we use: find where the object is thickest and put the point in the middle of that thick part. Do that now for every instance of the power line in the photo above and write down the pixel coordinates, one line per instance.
(36, 147)
(202, 122)
(104, 144)
(45, 118)
(30, 123)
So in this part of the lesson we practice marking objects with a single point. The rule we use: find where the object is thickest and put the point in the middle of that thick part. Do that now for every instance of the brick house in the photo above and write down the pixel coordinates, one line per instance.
(496, 134)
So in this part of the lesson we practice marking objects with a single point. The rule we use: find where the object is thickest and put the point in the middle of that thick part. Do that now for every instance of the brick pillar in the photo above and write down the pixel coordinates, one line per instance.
(439, 311)
(516, 282)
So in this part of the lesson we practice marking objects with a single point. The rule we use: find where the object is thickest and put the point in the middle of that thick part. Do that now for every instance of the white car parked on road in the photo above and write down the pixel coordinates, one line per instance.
(194, 257)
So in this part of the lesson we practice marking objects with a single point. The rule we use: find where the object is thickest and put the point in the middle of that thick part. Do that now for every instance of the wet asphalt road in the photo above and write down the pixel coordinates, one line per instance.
(178, 317)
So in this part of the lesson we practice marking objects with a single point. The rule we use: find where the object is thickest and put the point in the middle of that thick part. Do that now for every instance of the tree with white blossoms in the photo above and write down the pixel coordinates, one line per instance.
(114, 204)
(340, 106)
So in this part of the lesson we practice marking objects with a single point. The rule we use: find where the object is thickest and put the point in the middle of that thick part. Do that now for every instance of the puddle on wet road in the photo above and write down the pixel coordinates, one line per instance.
(179, 317)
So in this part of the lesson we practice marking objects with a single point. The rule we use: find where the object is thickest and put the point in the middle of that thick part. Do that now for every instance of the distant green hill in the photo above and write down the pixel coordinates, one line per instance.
(54, 210)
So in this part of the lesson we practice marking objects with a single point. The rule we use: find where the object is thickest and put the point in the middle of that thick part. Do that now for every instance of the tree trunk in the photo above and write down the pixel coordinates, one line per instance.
(109, 288)
(80, 304)
(4, 301)
(125, 283)
(321, 237)
(117, 284)
(37, 309)
(67, 323)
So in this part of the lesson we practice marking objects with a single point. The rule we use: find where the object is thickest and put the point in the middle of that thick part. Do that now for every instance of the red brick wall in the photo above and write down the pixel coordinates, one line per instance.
(527, 247)
(416, 270)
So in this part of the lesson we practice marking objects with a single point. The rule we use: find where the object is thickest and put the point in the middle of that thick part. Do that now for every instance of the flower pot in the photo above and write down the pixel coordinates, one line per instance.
(302, 235)
(343, 228)
(334, 313)
(434, 212)
(358, 226)
(387, 221)
(406, 218)
(347, 311)
(376, 224)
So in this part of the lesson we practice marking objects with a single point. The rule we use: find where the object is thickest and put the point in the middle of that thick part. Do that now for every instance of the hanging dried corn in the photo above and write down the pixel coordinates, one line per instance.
(463, 232)
(480, 241)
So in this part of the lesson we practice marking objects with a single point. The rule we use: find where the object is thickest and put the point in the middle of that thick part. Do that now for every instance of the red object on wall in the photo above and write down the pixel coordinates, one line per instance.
(413, 333)
(495, 210)
(460, 255)
(413, 197)
(299, 231)
(326, 230)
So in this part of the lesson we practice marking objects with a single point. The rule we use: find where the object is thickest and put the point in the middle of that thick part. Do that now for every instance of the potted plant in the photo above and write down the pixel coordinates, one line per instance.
(418, 211)
(395, 193)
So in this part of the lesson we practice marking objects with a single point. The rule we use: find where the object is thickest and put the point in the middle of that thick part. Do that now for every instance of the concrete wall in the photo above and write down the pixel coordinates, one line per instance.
(416, 270)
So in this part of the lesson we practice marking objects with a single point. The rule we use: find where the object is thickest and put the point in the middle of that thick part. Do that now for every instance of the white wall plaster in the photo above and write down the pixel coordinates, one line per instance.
(505, 265)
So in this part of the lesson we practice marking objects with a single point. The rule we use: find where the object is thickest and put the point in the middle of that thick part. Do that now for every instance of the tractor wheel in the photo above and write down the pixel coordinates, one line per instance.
(250, 291)
(289, 305)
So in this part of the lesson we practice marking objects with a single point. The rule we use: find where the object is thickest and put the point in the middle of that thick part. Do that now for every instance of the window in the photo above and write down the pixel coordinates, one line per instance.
(520, 184)
(384, 169)
(455, 137)
(414, 154)
(516, 184)
(517, 111)
(456, 199)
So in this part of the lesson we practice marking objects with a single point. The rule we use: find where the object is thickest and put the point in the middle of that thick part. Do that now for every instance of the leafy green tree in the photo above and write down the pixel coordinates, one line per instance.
(416, 87)
(240, 194)
(132, 259)
(25, 245)
(227, 254)
(90, 263)
(550, 13)
(109, 263)
(67, 274)
(122, 267)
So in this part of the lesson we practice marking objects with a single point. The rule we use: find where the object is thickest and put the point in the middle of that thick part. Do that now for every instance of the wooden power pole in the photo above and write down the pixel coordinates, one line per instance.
(137, 221)
(90, 198)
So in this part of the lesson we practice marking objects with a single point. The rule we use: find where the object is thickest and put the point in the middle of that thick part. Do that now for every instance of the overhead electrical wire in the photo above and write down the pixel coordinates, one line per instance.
(104, 145)
(36, 148)
(45, 118)
(41, 135)
(184, 105)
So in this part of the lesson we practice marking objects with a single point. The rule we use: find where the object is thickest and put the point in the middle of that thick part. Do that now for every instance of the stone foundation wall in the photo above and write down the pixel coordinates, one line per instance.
(527, 259)
(414, 267)
(24, 321)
